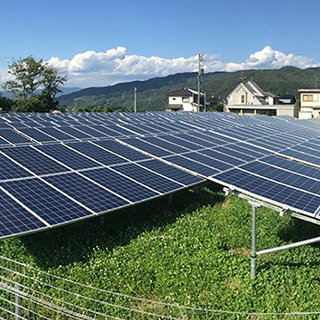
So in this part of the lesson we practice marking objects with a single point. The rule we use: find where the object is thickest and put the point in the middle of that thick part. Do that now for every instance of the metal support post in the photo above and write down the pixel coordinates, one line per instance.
(253, 255)
(17, 302)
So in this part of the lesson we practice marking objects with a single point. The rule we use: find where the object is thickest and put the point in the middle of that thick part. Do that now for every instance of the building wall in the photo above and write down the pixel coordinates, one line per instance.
(185, 101)
(242, 96)
(310, 103)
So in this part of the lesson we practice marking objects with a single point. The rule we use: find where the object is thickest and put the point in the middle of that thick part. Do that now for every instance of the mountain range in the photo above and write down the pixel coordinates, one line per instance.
(151, 93)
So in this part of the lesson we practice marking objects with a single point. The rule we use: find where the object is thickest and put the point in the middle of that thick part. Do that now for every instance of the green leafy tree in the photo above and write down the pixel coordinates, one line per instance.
(219, 107)
(31, 75)
(5, 104)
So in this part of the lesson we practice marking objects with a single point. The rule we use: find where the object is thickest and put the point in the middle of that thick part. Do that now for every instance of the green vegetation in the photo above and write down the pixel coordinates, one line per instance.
(151, 94)
(31, 75)
(195, 253)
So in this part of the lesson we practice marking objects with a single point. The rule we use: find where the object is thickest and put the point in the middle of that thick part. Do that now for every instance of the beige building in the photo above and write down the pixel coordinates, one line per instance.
(184, 100)
(248, 98)
(310, 103)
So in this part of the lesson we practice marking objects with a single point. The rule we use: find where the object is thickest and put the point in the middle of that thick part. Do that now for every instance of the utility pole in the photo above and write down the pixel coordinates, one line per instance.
(200, 73)
(135, 99)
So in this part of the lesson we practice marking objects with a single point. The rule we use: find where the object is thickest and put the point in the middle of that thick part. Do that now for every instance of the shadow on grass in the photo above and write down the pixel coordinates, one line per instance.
(76, 242)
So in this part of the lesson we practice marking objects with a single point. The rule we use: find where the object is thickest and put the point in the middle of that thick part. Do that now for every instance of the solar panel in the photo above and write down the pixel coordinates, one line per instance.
(148, 178)
(72, 131)
(55, 133)
(67, 156)
(37, 135)
(121, 185)
(15, 219)
(13, 137)
(101, 155)
(147, 147)
(10, 170)
(191, 165)
(157, 141)
(121, 150)
(49, 204)
(270, 191)
(213, 153)
(87, 193)
(33, 160)
(169, 171)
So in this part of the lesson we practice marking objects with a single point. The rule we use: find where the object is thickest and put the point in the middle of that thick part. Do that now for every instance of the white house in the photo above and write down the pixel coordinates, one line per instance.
(310, 103)
(184, 100)
(249, 98)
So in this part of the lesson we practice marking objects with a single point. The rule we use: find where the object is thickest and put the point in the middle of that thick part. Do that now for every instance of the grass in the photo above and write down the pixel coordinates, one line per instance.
(194, 253)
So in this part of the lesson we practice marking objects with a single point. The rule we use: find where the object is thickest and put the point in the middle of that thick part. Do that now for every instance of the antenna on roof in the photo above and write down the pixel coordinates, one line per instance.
(242, 77)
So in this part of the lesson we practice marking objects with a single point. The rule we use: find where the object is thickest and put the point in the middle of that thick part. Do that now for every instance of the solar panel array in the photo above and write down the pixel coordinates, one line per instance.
(59, 168)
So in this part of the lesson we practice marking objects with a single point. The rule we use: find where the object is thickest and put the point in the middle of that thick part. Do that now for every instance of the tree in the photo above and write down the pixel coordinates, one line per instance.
(5, 104)
(31, 75)
(219, 107)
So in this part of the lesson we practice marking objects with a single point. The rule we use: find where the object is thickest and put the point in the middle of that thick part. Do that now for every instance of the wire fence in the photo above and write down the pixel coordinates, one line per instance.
(28, 293)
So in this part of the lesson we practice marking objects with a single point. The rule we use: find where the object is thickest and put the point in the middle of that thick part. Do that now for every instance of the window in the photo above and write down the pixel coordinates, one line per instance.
(242, 98)
(308, 97)
(185, 99)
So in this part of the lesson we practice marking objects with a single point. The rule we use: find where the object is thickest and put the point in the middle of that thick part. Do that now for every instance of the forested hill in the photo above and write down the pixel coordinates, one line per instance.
(154, 83)
(151, 94)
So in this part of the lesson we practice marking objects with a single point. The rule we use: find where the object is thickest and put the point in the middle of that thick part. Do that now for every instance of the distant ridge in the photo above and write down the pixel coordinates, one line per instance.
(142, 85)
(151, 93)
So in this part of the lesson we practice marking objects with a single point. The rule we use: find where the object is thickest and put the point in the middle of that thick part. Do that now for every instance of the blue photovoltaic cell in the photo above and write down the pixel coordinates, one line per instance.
(234, 153)
(169, 171)
(13, 137)
(106, 131)
(75, 133)
(292, 166)
(182, 143)
(121, 150)
(270, 190)
(67, 156)
(121, 185)
(313, 152)
(14, 219)
(101, 155)
(147, 147)
(91, 132)
(37, 135)
(191, 165)
(10, 170)
(148, 178)
(55, 133)
(301, 156)
(34, 160)
(281, 176)
(222, 157)
(249, 146)
(119, 130)
(213, 163)
(157, 141)
(86, 192)
(245, 151)
(135, 130)
(45, 201)
(267, 145)
(192, 138)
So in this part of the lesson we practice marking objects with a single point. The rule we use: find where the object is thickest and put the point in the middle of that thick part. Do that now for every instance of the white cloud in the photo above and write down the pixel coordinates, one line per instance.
(104, 68)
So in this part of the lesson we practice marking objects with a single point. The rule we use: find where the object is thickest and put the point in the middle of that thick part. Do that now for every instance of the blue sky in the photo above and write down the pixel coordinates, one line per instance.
(102, 42)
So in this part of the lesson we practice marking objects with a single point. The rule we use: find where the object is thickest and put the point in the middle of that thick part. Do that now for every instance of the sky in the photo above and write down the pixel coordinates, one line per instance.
(104, 42)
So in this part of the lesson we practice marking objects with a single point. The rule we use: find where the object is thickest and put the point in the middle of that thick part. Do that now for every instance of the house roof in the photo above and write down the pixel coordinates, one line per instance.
(213, 100)
(183, 93)
(180, 93)
(174, 106)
